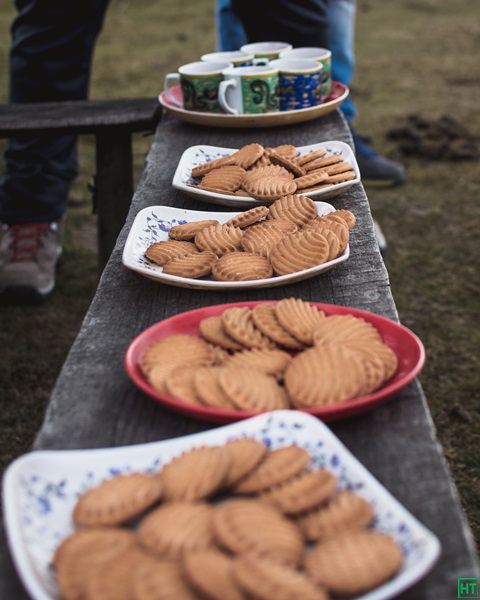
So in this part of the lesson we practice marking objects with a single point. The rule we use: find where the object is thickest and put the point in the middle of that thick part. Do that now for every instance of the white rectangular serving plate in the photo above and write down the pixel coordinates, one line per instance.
(40, 490)
(197, 155)
(152, 225)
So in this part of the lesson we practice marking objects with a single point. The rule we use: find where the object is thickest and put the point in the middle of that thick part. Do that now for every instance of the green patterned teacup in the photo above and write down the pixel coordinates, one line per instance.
(266, 50)
(249, 90)
(199, 82)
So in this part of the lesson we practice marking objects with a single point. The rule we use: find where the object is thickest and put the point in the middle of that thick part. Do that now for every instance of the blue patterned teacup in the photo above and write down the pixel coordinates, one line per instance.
(320, 55)
(300, 83)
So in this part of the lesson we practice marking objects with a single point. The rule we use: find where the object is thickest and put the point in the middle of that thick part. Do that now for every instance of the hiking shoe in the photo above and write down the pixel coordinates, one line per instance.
(376, 170)
(29, 253)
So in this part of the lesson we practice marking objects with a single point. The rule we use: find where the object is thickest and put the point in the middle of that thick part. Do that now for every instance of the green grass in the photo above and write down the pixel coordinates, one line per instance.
(412, 57)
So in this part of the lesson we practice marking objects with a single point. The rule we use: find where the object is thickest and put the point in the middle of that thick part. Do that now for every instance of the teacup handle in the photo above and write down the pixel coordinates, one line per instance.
(262, 62)
(168, 78)
(222, 89)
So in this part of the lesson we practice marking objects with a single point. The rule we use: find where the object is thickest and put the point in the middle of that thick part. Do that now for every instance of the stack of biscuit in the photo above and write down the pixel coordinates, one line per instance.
(266, 174)
(285, 238)
(301, 357)
(236, 521)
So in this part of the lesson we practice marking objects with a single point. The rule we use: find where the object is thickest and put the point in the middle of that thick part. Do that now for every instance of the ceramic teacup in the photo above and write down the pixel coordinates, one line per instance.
(199, 82)
(321, 55)
(238, 58)
(299, 82)
(266, 50)
(249, 90)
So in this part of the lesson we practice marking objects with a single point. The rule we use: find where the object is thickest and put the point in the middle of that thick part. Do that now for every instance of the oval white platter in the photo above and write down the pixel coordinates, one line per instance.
(197, 155)
(152, 225)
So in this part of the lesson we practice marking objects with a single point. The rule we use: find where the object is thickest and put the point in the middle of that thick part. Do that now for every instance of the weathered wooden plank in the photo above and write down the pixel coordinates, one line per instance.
(79, 117)
(95, 405)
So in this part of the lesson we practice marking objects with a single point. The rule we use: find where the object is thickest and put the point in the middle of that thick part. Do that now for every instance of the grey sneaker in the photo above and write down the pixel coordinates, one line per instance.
(29, 253)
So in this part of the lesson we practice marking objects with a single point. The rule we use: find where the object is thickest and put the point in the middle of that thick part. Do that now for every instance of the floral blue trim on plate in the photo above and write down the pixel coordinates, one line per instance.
(41, 488)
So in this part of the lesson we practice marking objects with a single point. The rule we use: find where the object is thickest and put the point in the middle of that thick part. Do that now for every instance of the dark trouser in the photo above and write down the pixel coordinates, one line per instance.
(297, 22)
(50, 60)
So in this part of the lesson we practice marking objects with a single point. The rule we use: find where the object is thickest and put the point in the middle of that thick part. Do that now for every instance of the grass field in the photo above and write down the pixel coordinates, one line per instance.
(413, 57)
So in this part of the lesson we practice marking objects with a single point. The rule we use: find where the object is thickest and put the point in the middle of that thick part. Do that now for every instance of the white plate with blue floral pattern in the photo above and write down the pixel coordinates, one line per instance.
(153, 223)
(197, 155)
(40, 490)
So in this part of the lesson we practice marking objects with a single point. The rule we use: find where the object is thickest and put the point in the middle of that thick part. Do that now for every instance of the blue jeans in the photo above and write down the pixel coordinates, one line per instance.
(341, 22)
(50, 60)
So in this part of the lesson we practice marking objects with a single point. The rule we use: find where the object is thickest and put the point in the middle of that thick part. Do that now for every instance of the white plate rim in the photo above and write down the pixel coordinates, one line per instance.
(288, 427)
(186, 163)
(132, 256)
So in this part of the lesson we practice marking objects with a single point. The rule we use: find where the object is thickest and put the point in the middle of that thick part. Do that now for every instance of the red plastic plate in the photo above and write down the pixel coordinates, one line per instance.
(406, 345)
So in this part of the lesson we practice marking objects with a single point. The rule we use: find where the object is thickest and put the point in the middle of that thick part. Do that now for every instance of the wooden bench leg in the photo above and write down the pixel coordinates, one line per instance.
(113, 188)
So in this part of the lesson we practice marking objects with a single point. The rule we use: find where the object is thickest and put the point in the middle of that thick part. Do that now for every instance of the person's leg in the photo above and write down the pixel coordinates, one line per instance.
(229, 29)
(341, 24)
(299, 24)
(50, 60)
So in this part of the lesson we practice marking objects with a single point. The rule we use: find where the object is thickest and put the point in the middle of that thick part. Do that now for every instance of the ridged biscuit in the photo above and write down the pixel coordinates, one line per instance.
(260, 393)
(178, 347)
(179, 383)
(252, 526)
(266, 321)
(219, 239)
(210, 573)
(309, 156)
(226, 178)
(261, 240)
(303, 492)
(346, 215)
(287, 150)
(208, 166)
(320, 376)
(162, 252)
(246, 156)
(271, 361)
(157, 375)
(346, 511)
(324, 161)
(209, 390)
(311, 179)
(296, 208)
(265, 579)
(278, 466)
(245, 454)
(178, 527)
(248, 217)
(241, 266)
(341, 232)
(114, 579)
(286, 163)
(355, 563)
(191, 266)
(269, 188)
(187, 231)
(238, 323)
(211, 328)
(339, 167)
(84, 551)
(195, 474)
(267, 171)
(117, 500)
(299, 318)
(299, 251)
(341, 177)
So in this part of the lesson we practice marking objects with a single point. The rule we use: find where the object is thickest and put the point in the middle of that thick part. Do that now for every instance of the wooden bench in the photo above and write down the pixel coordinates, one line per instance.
(112, 122)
